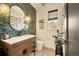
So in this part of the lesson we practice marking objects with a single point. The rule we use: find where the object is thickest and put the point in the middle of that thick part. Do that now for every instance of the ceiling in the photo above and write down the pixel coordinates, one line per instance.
(38, 5)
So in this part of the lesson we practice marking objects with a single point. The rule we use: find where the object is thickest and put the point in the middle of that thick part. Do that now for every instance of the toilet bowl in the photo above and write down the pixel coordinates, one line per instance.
(39, 45)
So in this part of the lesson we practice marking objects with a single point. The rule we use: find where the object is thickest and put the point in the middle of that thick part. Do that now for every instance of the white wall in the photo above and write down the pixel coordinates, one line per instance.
(46, 34)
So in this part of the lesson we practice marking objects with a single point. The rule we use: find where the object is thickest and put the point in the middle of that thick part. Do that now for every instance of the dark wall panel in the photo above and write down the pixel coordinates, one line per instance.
(73, 29)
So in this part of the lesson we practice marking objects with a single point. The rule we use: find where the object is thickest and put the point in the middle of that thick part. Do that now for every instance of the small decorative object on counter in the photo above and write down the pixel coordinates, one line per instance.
(6, 36)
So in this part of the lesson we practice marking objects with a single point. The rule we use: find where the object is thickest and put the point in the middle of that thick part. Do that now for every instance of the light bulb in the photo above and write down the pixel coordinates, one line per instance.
(4, 9)
(27, 19)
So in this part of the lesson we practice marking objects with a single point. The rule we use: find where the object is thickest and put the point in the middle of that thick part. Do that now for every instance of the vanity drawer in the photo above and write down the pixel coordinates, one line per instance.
(19, 51)
(23, 50)
(31, 49)
(30, 41)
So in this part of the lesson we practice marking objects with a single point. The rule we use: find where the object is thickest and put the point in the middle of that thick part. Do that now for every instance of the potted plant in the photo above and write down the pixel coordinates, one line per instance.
(59, 41)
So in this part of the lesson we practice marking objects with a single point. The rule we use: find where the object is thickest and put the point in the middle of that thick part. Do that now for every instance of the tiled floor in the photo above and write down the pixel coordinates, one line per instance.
(45, 52)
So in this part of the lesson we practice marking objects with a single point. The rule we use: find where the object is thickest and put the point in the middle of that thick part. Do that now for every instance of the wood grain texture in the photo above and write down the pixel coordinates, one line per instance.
(21, 48)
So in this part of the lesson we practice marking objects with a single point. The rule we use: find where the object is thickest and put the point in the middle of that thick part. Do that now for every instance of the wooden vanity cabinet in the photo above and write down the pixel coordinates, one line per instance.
(21, 48)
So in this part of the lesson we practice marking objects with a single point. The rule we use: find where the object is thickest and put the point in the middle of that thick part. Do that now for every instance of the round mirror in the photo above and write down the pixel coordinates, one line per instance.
(17, 18)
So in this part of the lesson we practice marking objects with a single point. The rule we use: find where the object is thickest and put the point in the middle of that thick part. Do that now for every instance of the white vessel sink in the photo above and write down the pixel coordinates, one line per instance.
(18, 39)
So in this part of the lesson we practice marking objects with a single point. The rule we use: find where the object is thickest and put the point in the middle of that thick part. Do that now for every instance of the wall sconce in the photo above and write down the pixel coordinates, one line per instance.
(27, 19)
(4, 9)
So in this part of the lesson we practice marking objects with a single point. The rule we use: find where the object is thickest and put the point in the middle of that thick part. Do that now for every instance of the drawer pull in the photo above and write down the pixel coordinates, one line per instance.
(33, 50)
(6, 49)
(24, 51)
(33, 41)
(34, 46)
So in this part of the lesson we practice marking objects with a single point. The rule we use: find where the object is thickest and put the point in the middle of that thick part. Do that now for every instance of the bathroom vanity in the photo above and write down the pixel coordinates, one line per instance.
(19, 46)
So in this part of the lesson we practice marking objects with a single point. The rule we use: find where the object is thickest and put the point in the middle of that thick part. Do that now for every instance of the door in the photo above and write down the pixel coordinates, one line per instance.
(73, 29)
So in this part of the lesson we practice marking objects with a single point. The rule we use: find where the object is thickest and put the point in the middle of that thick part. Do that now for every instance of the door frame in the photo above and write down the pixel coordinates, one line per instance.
(67, 31)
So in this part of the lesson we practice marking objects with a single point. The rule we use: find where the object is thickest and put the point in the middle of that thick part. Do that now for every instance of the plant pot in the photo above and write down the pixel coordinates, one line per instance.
(59, 50)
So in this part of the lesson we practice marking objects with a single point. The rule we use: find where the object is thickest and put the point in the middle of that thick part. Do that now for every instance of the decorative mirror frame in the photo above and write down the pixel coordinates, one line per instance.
(16, 18)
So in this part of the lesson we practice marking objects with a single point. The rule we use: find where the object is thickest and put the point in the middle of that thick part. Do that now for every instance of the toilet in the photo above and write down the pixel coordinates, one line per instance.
(39, 45)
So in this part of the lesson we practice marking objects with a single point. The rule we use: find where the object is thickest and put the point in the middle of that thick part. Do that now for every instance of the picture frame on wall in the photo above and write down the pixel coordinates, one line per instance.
(41, 24)
(53, 18)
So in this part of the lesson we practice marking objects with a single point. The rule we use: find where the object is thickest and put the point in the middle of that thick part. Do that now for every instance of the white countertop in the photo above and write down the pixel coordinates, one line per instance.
(18, 39)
